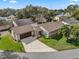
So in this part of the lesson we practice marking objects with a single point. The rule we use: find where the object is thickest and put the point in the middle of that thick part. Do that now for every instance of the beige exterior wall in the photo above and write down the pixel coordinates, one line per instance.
(15, 36)
(52, 33)
(44, 32)
(48, 34)
(12, 33)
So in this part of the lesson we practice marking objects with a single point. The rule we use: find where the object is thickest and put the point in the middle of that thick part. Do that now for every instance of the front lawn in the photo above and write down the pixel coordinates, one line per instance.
(59, 45)
(7, 43)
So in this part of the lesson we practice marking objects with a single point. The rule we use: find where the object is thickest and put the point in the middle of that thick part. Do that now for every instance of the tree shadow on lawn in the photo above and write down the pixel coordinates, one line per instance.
(73, 41)
(57, 36)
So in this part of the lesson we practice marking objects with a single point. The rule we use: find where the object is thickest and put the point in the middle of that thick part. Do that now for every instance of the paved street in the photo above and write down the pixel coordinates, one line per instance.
(33, 45)
(68, 54)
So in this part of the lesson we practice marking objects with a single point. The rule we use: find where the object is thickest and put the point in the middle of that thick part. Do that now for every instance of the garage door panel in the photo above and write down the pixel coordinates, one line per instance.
(22, 36)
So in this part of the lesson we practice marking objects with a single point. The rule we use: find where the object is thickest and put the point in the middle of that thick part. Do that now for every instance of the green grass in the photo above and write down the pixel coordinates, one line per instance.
(7, 43)
(59, 45)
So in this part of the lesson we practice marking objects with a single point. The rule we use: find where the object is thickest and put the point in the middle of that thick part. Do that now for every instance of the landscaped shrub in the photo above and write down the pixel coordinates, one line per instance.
(57, 36)
(73, 41)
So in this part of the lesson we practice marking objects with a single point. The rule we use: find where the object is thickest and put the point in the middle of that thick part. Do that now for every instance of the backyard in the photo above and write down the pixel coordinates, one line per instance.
(59, 44)
(8, 44)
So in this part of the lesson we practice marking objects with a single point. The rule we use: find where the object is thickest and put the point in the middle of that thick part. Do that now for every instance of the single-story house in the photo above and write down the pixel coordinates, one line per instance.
(67, 14)
(58, 17)
(69, 21)
(35, 30)
(22, 32)
(50, 28)
(40, 19)
(4, 27)
(21, 22)
(10, 18)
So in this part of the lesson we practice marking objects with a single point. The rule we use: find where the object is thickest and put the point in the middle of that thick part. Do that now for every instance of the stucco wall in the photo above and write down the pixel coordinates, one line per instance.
(12, 33)
(53, 33)
(15, 36)
(14, 23)
(44, 32)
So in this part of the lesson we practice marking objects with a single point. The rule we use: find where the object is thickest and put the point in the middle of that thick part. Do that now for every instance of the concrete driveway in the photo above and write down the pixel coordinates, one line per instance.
(34, 45)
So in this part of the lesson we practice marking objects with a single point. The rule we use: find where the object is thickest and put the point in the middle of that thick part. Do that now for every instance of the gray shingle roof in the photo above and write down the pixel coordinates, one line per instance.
(22, 22)
(22, 29)
(70, 20)
(4, 27)
(52, 26)
(25, 29)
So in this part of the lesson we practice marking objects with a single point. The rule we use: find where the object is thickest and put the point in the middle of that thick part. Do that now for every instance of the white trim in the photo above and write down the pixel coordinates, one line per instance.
(15, 36)
(45, 32)
(65, 23)
(14, 23)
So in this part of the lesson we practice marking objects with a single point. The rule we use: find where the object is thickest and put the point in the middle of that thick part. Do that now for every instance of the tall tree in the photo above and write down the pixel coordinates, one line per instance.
(7, 12)
(71, 9)
(19, 14)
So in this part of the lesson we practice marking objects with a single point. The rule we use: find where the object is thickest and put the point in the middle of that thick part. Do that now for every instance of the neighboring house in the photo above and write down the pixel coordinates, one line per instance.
(4, 27)
(67, 15)
(48, 29)
(58, 17)
(10, 18)
(69, 21)
(40, 19)
(21, 22)
(35, 30)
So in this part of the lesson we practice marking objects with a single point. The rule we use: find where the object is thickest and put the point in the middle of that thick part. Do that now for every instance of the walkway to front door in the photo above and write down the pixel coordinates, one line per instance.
(36, 46)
